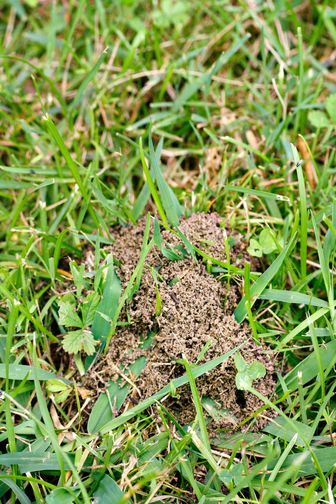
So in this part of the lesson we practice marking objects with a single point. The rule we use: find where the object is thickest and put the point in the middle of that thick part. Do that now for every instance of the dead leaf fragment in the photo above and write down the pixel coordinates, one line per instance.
(309, 167)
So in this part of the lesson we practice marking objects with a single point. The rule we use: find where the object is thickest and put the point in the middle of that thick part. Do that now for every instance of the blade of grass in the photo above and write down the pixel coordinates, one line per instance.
(197, 404)
(330, 238)
(304, 221)
(89, 77)
(226, 265)
(176, 383)
(9, 342)
(151, 185)
(49, 427)
(170, 203)
(40, 72)
(134, 280)
(54, 133)
(301, 83)
(328, 282)
(282, 458)
(314, 457)
(20, 371)
(309, 367)
(260, 284)
(292, 297)
(300, 327)
(19, 494)
(318, 359)
(247, 292)
(191, 88)
(107, 307)
(287, 474)
(258, 193)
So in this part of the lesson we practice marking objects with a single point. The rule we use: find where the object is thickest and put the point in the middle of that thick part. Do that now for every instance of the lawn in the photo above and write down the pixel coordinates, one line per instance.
(167, 199)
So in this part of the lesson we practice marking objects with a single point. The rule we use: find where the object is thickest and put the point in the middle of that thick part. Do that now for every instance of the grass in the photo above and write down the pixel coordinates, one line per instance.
(86, 87)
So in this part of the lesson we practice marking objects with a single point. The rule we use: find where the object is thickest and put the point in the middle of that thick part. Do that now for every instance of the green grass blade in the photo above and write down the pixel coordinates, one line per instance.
(304, 221)
(286, 474)
(260, 284)
(141, 202)
(176, 383)
(22, 371)
(309, 367)
(292, 297)
(170, 203)
(40, 72)
(107, 307)
(303, 325)
(54, 133)
(133, 281)
(325, 458)
(198, 404)
(330, 238)
(19, 494)
(108, 492)
(282, 458)
(6, 369)
(151, 185)
(328, 282)
(255, 192)
(89, 77)
(191, 88)
(62, 457)
(317, 352)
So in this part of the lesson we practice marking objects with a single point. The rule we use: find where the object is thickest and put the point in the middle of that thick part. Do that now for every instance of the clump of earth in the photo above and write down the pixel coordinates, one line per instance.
(195, 320)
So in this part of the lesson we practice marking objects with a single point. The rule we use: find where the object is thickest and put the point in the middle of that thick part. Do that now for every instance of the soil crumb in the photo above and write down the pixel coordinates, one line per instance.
(180, 309)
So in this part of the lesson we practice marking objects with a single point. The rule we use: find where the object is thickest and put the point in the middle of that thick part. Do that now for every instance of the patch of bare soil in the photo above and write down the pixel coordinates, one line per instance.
(196, 315)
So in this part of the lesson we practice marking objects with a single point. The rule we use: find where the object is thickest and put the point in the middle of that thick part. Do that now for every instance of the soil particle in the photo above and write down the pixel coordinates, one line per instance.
(195, 321)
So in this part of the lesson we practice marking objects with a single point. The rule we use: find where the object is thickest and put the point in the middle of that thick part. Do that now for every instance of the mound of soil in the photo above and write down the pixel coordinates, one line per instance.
(195, 320)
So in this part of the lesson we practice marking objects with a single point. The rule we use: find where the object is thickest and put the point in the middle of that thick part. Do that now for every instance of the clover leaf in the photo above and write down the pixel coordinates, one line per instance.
(266, 243)
(247, 373)
(320, 119)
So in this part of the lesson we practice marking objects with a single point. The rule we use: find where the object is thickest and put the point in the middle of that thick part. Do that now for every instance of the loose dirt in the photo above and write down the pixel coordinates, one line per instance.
(195, 320)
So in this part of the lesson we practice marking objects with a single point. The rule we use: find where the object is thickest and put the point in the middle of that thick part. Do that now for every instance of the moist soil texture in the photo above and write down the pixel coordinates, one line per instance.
(182, 310)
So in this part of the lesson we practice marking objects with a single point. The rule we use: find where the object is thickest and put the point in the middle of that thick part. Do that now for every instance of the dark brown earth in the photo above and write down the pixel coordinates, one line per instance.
(196, 311)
